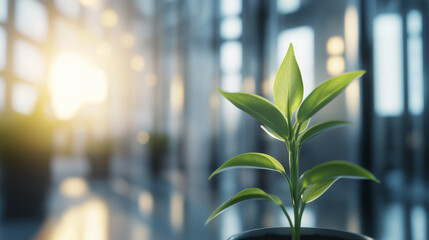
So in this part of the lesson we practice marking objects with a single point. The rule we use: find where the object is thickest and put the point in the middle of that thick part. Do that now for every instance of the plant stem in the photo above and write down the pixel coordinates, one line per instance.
(295, 189)
(287, 216)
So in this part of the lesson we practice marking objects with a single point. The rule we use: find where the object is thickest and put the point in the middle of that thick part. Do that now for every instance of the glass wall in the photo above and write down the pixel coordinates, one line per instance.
(111, 122)
(396, 132)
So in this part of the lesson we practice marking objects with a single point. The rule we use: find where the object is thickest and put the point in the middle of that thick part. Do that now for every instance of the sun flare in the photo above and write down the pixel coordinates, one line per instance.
(73, 82)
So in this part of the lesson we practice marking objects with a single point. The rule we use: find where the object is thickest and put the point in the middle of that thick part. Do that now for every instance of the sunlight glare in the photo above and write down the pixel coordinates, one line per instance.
(96, 220)
(74, 82)
(86, 221)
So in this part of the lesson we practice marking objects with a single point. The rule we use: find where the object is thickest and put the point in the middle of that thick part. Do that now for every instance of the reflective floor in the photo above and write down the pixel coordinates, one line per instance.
(112, 208)
(162, 208)
(95, 210)
(81, 210)
(88, 215)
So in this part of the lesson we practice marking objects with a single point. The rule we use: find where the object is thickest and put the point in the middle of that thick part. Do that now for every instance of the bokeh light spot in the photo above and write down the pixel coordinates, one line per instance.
(137, 63)
(74, 187)
(335, 46)
(335, 65)
(143, 137)
(109, 18)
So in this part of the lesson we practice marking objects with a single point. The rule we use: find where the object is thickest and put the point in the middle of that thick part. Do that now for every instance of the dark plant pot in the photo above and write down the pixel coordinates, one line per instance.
(25, 183)
(283, 233)
(25, 153)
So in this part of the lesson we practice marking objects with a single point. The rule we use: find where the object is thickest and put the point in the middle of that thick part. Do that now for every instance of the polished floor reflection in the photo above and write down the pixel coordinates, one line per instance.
(81, 210)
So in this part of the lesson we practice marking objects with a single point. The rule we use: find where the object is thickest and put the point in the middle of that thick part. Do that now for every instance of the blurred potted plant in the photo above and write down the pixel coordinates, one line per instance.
(279, 124)
(25, 152)
(158, 146)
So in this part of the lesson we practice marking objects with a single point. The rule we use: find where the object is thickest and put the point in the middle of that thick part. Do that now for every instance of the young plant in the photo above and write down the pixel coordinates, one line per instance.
(278, 123)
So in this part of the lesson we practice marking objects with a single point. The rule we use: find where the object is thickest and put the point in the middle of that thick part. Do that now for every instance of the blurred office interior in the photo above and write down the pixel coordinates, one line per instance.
(110, 123)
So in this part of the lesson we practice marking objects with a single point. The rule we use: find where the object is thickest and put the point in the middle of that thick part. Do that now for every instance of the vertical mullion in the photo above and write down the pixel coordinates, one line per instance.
(49, 51)
(369, 216)
(425, 38)
(408, 156)
(10, 41)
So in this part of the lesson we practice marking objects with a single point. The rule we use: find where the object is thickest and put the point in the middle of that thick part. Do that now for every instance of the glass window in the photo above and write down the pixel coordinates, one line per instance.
(388, 80)
(230, 7)
(147, 7)
(288, 6)
(231, 28)
(351, 35)
(231, 57)
(70, 8)
(418, 222)
(29, 63)
(231, 83)
(231, 222)
(393, 225)
(3, 10)
(31, 19)
(415, 62)
(414, 22)
(302, 39)
(3, 48)
(24, 98)
(2, 93)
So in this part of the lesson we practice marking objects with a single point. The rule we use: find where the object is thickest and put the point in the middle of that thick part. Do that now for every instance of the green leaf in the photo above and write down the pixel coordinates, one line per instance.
(246, 194)
(324, 93)
(318, 129)
(288, 87)
(271, 133)
(315, 190)
(335, 169)
(252, 160)
(261, 109)
(303, 126)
